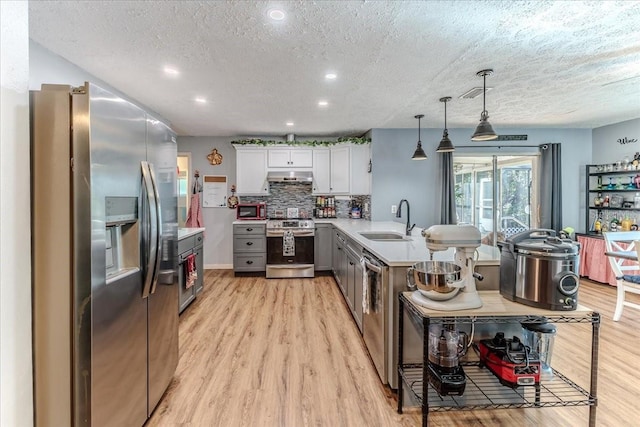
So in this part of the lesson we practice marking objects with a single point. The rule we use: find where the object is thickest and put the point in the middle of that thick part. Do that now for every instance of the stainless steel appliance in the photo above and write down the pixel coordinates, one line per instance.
(539, 269)
(290, 248)
(105, 294)
(374, 321)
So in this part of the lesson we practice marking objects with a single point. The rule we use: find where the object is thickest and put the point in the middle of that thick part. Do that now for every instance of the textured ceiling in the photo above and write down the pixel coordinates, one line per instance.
(557, 64)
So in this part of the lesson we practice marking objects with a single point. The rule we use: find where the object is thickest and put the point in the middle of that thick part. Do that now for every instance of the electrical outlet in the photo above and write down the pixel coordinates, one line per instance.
(394, 208)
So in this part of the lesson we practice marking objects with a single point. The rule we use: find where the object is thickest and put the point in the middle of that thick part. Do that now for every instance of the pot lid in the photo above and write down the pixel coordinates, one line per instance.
(548, 245)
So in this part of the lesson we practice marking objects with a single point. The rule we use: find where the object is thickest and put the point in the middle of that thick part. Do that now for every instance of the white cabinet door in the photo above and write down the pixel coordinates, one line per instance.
(340, 169)
(301, 158)
(360, 176)
(321, 171)
(288, 158)
(279, 158)
(251, 172)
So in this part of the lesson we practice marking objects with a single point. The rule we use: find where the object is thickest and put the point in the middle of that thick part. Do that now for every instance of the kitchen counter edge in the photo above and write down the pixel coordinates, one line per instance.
(183, 233)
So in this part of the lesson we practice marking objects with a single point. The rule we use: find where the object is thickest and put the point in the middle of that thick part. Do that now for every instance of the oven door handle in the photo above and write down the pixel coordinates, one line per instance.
(310, 233)
(372, 267)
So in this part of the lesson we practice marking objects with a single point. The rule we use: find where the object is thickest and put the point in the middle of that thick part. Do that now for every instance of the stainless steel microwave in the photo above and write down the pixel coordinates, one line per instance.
(251, 211)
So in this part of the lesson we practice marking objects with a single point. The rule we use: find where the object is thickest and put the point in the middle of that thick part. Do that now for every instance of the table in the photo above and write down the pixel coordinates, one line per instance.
(483, 390)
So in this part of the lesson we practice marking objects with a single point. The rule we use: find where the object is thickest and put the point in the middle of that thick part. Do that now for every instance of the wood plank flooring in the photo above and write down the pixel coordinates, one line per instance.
(258, 352)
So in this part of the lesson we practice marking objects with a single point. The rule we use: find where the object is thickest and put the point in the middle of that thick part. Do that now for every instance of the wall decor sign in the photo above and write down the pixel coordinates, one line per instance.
(215, 192)
(214, 157)
(625, 140)
(511, 138)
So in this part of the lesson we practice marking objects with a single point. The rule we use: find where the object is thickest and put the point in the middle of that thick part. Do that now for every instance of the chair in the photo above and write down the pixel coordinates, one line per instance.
(627, 271)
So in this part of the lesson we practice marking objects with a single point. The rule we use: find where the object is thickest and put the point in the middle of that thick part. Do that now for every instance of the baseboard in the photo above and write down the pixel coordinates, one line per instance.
(218, 266)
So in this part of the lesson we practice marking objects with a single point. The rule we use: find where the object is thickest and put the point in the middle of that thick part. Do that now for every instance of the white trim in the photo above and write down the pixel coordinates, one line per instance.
(218, 266)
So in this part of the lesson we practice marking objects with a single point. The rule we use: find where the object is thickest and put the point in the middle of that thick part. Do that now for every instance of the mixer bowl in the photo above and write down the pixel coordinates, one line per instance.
(434, 279)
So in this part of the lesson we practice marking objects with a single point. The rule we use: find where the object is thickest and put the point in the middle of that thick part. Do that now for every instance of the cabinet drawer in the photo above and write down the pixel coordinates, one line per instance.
(186, 243)
(249, 262)
(254, 229)
(249, 244)
(198, 239)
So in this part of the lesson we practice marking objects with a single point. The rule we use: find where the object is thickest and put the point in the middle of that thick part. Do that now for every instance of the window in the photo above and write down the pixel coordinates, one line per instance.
(499, 207)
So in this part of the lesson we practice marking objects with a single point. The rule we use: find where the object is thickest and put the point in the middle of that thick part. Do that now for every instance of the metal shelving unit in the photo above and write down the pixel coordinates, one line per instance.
(597, 185)
(483, 390)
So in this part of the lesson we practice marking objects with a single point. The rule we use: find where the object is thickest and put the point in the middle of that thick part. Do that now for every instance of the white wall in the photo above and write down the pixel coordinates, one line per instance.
(218, 239)
(16, 398)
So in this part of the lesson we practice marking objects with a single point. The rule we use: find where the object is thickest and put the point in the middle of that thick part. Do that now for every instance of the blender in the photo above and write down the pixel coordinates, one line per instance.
(446, 347)
(539, 336)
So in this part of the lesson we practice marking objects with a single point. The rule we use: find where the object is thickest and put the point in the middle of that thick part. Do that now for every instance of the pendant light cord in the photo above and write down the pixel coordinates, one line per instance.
(445, 116)
(419, 142)
(484, 94)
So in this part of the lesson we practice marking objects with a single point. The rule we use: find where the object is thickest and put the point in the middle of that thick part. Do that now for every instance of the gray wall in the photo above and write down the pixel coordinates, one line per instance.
(607, 149)
(396, 176)
(218, 238)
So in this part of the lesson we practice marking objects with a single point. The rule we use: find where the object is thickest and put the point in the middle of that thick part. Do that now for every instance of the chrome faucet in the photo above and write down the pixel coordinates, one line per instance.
(399, 215)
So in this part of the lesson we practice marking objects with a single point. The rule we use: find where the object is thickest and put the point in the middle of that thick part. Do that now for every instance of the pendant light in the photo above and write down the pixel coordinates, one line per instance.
(484, 131)
(419, 153)
(446, 146)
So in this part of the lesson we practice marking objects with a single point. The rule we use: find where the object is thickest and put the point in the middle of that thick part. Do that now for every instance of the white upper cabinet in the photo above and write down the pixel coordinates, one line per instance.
(360, 173)
(290, 158)
(340, 169)
(251, 171)
(321, 171)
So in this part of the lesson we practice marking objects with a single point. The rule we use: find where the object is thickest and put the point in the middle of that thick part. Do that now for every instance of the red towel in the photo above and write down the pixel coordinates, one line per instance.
(194, 219)
(190, 271)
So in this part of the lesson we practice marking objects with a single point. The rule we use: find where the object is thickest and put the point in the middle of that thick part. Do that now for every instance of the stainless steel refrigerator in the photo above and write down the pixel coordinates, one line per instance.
(104, 236)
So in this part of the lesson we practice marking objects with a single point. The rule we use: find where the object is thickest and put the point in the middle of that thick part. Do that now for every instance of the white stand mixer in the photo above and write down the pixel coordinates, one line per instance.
(465, 239)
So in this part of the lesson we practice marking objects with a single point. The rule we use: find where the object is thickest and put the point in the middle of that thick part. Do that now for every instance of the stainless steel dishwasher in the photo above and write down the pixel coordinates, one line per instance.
(374, 319)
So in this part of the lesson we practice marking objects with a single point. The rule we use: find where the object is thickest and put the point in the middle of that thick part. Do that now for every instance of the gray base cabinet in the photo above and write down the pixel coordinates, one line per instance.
(348, 273)
(249, 248)
(187, 246)
(323, 249)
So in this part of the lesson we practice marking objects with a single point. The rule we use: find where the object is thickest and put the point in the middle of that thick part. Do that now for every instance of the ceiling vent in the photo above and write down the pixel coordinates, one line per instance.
(473, 93)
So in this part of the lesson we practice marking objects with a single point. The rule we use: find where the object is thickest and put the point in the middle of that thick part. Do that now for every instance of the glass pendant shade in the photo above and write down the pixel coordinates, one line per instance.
(484, 131)
(446, 146)
(419, 154)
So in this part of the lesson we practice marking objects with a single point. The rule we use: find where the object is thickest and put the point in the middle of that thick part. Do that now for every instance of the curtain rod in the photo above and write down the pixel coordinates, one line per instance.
(499, 146)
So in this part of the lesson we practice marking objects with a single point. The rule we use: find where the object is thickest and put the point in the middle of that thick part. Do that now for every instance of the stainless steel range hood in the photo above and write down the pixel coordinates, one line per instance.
(289, 176)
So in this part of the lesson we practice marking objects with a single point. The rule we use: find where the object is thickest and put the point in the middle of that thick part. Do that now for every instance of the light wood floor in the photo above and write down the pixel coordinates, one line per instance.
(257, 352)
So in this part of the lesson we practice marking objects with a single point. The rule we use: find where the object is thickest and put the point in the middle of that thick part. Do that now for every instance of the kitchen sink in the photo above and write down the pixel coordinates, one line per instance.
(383, 236)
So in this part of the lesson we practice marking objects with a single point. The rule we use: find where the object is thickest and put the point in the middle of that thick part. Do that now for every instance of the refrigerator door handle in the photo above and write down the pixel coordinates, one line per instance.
(151, 229)
(158, 215)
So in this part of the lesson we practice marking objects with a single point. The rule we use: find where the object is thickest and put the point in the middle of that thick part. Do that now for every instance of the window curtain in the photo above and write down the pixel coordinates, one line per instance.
(448, 197)
(550, 191)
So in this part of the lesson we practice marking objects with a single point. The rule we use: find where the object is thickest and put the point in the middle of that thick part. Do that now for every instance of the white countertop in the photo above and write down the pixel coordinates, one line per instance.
(183, 233)
(402, 253)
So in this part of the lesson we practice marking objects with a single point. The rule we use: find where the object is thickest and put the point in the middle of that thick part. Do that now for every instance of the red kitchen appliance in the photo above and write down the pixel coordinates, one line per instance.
(251, 211)
(513, 363)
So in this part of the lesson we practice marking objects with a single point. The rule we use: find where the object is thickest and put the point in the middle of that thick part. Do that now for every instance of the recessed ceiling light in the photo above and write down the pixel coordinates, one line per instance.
(171, 71)
(330, 76)
(200, 100)
(276, 14)
(323, 103)
(289, 123)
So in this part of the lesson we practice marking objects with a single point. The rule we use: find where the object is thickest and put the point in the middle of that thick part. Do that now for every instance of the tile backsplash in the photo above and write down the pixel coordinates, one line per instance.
(298, 195)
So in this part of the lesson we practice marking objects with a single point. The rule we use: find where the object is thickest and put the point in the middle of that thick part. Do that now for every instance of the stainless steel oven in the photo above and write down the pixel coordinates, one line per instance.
(290, 248)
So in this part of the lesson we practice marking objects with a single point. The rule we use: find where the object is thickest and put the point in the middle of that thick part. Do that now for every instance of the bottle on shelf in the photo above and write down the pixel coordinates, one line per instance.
(605, 202)
(636, 201)
(625, 224)
(597, 201)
